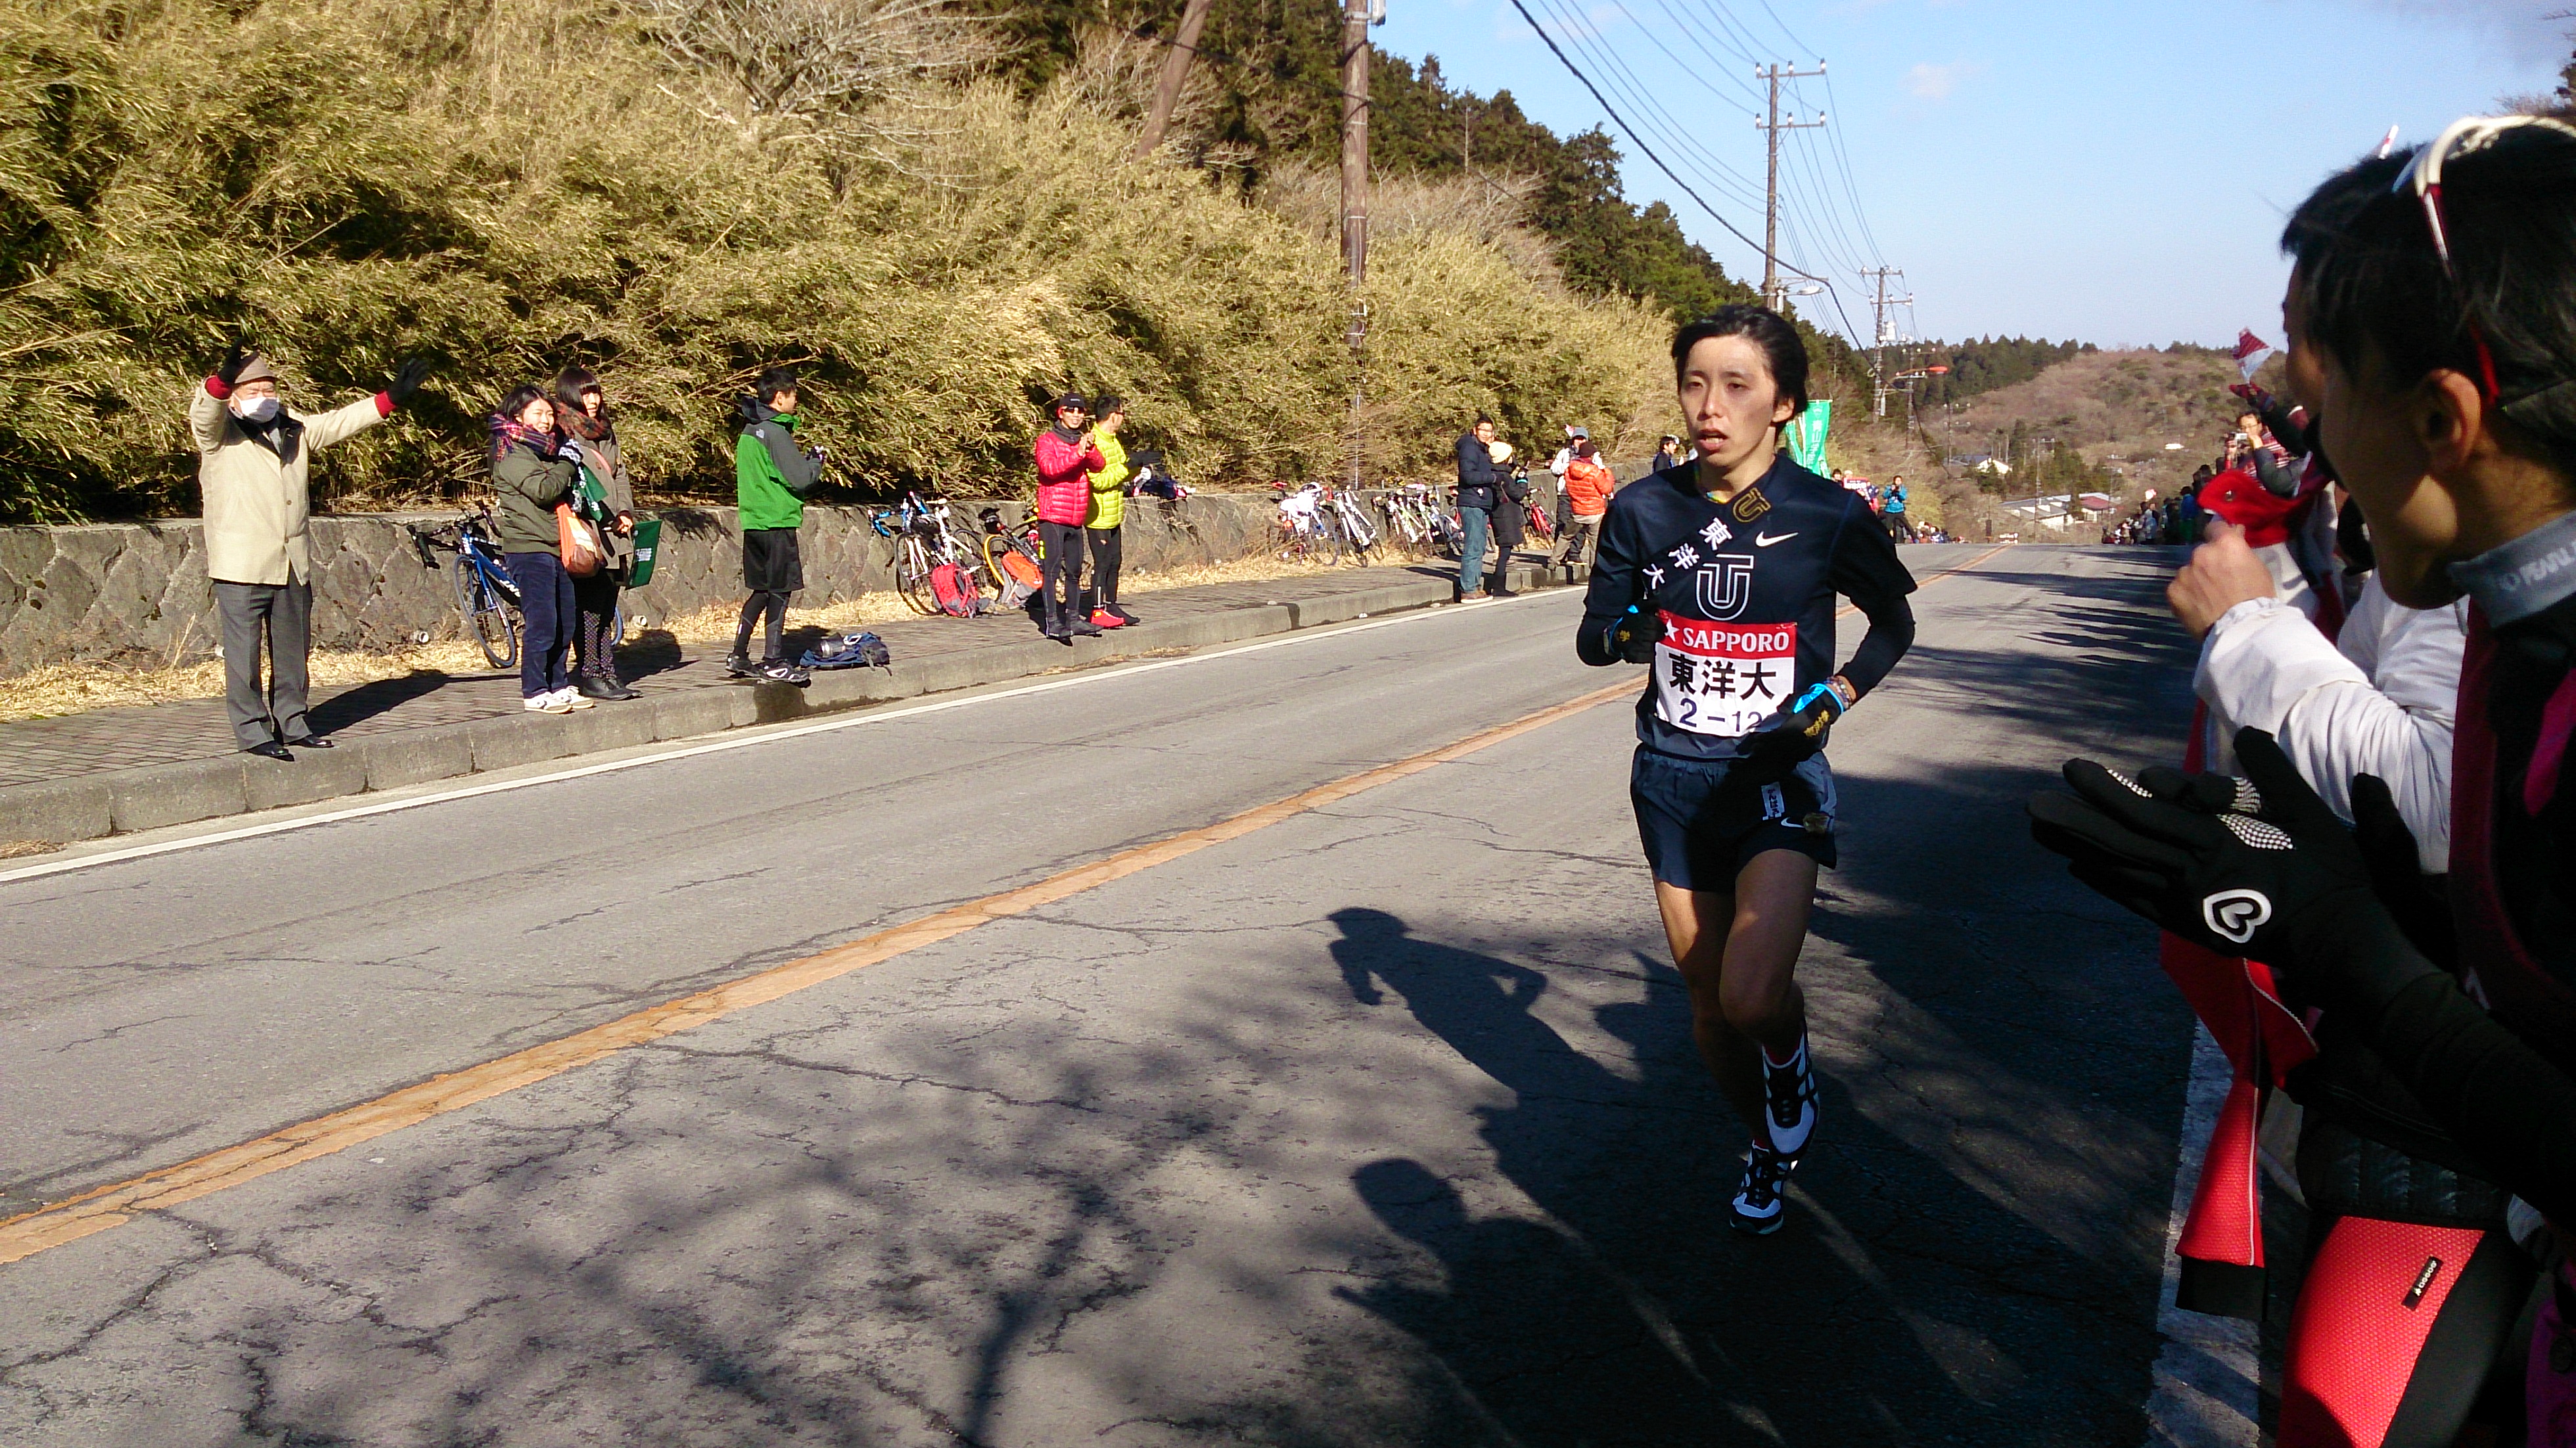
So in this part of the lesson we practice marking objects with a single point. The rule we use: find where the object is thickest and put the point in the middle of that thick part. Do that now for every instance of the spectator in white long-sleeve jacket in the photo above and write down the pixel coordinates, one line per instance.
(253, 457)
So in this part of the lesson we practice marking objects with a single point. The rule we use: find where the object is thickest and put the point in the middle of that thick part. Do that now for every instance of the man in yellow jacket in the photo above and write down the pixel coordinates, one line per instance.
(1108, 512)
(253, 457)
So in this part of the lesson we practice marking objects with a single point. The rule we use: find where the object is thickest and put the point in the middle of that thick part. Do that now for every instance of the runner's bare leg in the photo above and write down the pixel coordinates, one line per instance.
(1738, 954)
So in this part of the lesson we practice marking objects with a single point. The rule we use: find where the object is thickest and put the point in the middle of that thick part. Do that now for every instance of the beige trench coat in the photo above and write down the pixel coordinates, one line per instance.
(256, 501)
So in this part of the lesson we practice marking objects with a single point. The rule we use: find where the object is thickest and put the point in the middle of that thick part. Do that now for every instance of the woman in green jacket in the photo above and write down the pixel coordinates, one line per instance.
(531, 474)
(1107, 515)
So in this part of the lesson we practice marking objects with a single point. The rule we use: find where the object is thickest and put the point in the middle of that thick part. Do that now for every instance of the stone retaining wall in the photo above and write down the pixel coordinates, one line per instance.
(136, 593)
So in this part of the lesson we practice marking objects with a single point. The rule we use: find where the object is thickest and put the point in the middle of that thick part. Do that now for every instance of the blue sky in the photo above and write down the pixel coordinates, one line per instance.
(2112, 172)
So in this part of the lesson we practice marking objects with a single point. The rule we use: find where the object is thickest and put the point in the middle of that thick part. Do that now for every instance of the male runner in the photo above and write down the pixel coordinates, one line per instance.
(1721, 572)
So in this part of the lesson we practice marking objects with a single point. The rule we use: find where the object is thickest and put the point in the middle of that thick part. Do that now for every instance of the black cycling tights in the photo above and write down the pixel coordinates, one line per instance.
(1060, 547)
(774, 603)
(1107, 552)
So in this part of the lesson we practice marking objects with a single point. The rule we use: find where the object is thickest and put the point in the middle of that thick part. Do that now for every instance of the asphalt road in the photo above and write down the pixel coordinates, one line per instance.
(1378, 1125)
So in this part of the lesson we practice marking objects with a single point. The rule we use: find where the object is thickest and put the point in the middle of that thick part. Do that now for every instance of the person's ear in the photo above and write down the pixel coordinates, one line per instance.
(1783, 410)
(2450, 416)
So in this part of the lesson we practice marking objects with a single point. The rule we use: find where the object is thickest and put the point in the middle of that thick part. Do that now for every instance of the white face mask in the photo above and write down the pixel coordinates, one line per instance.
(258, 409)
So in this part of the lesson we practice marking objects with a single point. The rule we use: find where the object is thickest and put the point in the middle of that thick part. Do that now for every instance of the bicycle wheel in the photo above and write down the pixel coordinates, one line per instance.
(1328, 536)
(488, 621)
(912, 576)
(1362, 533)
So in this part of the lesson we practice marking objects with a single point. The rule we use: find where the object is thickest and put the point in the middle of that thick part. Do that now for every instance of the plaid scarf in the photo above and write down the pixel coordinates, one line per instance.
(509, 432)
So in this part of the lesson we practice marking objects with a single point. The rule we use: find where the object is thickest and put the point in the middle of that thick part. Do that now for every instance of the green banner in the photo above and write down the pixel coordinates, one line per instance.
(1806, 435)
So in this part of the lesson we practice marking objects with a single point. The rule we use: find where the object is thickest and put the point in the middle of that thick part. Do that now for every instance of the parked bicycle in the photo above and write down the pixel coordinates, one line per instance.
(1417, 515)
(1011, 557)
(1307, 526)
(924, 541)
(486, 599)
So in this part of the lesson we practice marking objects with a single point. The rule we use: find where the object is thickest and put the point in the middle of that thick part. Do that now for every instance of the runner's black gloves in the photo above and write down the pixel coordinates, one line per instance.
(2257, 867)
(1799, 737)
(407, 381)
(1636, 633)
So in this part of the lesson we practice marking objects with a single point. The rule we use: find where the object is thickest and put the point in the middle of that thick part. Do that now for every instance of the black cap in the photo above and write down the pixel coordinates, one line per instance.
(1069, 402)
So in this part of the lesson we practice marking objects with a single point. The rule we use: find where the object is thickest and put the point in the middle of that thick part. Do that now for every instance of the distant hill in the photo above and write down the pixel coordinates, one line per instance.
(2118, 411)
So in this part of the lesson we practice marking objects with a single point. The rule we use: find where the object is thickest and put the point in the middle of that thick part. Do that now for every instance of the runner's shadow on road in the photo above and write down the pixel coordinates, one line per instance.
(1900, 1304)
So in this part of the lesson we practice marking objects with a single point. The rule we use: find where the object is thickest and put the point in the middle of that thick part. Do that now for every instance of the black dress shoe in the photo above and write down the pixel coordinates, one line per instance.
(592, 686)
(270, 749)
(311, 741)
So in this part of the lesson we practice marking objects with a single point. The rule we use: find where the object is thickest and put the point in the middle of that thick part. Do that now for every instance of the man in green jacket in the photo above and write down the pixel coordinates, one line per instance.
(772, 475)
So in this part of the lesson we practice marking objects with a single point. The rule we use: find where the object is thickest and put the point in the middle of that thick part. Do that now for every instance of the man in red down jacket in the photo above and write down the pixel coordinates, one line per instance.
(1067, 457)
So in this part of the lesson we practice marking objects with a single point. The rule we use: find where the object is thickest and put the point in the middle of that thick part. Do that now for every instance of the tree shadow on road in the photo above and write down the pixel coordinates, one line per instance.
(1900, 1305)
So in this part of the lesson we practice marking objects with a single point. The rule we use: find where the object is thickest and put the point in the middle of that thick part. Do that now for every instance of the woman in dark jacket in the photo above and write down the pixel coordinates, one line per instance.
(531, 475)
(581, 415)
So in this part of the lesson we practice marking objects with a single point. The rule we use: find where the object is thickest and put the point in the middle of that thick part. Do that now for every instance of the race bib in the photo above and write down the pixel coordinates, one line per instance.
(1723, 678)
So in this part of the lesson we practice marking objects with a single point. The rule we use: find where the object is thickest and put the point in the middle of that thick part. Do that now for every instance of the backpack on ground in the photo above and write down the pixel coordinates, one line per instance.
(1021, 577)
(955, 591)
(849, 651)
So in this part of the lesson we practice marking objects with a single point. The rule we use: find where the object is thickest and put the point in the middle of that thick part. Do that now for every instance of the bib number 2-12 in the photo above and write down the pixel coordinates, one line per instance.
(1722, 678)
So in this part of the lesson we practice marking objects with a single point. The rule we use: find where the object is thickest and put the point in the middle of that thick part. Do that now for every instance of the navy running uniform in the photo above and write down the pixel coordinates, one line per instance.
(1746, 590)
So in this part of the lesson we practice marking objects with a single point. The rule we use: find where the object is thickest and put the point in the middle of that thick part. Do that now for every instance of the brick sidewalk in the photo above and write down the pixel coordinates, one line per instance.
(73, 745)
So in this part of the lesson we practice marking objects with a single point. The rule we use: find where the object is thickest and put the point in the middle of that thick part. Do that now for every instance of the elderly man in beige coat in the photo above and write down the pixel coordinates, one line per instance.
(253, 457)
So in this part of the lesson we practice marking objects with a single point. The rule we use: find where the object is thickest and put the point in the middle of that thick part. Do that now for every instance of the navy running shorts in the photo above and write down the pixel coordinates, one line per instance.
(1699, 834)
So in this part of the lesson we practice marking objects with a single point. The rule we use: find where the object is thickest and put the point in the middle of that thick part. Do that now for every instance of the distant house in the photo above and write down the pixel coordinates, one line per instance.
(2054, 511)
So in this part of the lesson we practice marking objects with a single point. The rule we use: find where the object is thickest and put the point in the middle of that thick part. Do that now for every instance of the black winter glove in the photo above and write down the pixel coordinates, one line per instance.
(2419, 903)
(1799, 737)
(1636, 633)
(2243, 867)
(234, 359)
(407, 380)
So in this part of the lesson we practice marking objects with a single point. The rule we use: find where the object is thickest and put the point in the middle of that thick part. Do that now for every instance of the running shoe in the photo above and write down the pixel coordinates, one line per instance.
(571, 698)
(1084, 628)
(1103, 618)
(740, 666)
(1123, 615)
(1789, 1099)
(545, 703)
(1756, 1208)
(779, 671)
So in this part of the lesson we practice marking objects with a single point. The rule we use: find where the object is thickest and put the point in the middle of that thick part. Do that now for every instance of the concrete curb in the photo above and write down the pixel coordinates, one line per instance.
(126, 800)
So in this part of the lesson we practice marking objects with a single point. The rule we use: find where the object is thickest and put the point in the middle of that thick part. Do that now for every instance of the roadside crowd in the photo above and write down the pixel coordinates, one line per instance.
(566, 526)
(2366, 865)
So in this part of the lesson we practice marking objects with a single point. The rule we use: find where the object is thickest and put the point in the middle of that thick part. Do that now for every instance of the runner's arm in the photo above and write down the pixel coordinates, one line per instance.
(1867, 571)
(1612, 590)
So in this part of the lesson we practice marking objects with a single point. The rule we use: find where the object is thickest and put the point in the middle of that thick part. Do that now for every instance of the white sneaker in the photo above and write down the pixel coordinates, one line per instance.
(572, 699)
(548, 703)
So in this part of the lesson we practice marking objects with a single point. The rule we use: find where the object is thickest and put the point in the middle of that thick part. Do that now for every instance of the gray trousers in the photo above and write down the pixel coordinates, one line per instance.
(279, 615)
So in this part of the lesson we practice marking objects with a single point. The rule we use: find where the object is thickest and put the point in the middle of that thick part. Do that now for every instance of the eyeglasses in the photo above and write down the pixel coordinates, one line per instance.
(2423, 175)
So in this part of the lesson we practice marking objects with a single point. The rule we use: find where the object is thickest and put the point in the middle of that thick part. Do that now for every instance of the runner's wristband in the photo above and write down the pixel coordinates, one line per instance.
(1825, 691)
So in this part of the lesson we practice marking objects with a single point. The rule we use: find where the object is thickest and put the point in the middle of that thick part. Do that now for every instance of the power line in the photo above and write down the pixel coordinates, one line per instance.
(1622, 123)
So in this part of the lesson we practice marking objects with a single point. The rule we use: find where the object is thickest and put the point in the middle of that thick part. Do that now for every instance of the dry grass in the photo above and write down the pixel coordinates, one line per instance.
(77, 688)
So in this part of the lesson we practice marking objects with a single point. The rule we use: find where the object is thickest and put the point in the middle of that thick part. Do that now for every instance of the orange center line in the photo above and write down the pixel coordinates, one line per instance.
(115, 1204)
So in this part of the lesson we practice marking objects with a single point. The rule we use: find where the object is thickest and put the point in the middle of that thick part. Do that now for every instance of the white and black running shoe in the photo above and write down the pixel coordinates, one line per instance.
(1756, 1208)
(1789, 1100)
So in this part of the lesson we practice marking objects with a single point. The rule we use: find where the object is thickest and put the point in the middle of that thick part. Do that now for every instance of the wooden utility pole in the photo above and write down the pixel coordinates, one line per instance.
(1176, 69)
(1355, 58)
(1773, 295)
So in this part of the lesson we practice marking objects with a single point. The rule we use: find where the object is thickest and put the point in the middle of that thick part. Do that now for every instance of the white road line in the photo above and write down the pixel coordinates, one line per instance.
(2208, 1380)
(747, 739)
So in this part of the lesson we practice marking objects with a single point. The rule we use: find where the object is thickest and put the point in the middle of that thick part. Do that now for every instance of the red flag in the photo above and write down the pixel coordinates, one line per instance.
(2249, 349)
